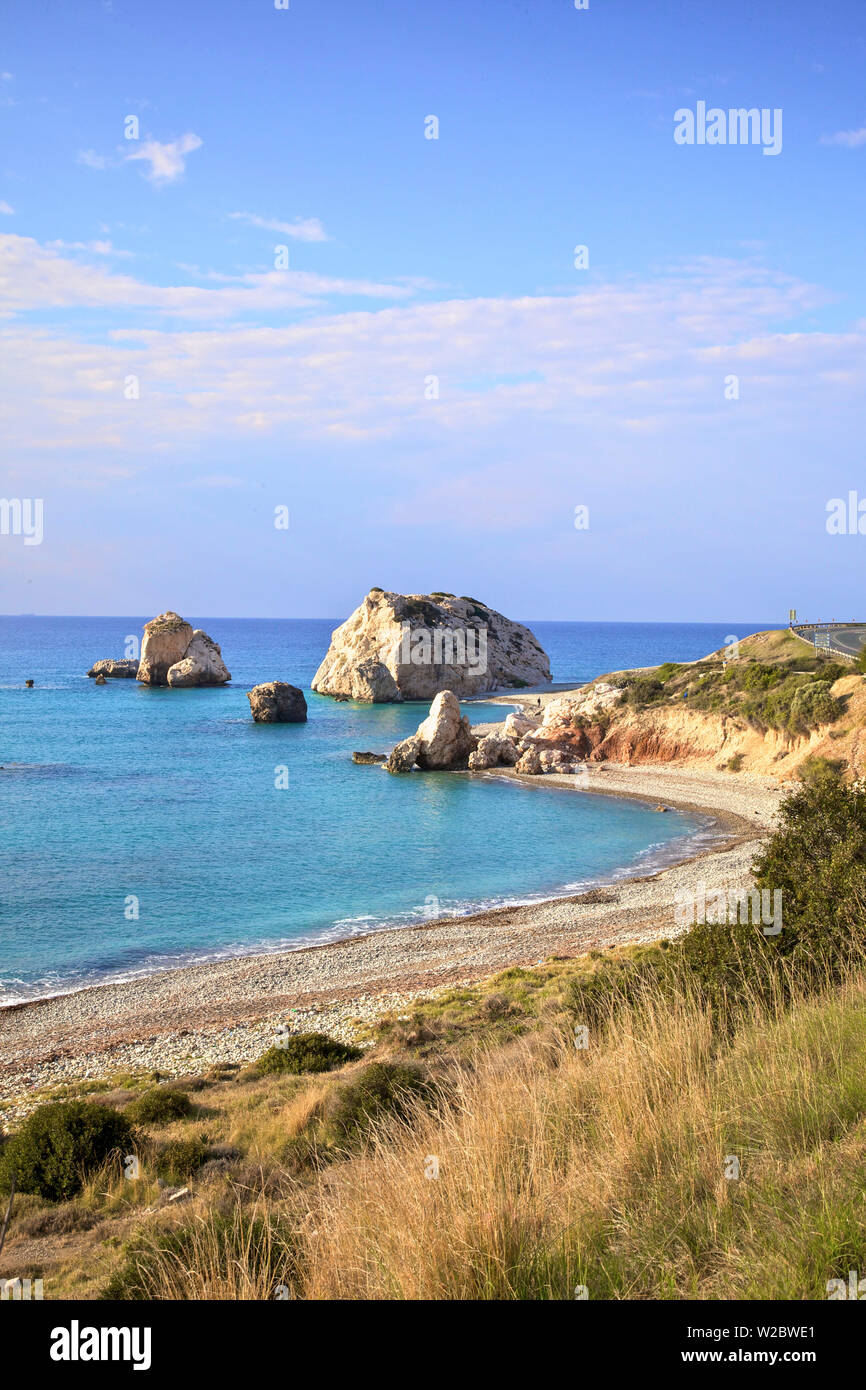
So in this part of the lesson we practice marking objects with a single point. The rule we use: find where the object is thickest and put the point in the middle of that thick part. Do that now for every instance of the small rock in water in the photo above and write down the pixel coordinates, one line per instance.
(368, 758)
(29, 685)
(275, 702)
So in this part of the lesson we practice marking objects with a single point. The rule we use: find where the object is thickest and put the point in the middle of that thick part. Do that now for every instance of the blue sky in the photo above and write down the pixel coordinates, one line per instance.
(411, 258)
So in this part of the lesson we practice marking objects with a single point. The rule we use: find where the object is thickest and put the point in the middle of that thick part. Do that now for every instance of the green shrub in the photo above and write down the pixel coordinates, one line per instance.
(735, 763)
(60, 1145)
(379, 1089)
(178, 1159)
(817, 860)
(306, 1052)
(815, 771)
(159, 1106)
(813, 705)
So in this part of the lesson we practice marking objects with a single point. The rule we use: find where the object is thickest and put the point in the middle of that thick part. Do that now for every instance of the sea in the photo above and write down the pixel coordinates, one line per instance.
(148, 828)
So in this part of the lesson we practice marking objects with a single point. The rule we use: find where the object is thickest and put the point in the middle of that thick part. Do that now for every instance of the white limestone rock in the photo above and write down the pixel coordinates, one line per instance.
(414, 646)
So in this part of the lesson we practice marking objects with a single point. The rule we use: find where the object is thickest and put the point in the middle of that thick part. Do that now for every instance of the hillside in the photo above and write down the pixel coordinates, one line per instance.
(765, 712)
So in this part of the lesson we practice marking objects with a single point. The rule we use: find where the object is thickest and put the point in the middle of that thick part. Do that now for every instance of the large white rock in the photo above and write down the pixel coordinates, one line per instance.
(202, 665)
(445, 737)
(165, 641)
(412, 646)
(443, 740)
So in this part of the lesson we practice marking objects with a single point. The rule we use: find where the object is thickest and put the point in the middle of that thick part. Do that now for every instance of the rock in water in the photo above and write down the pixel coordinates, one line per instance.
(117, 670)
(413, 646)
(173, 654)
(369, 758)
(100, 680)
(274, 702)
(444, 740)
(166, 639)
(202, 665)
(403, 757)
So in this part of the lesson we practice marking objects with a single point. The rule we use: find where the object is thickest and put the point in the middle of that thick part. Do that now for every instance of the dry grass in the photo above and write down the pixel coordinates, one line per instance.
(557, 1168)
(606, 1168)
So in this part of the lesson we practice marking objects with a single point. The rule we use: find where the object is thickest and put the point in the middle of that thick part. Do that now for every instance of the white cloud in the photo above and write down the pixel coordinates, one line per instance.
(37, 277)
(851, 139)
(6, 210)
(97, 248)
(302, 229)
(91, 159)
(642, 359)
(167, 161)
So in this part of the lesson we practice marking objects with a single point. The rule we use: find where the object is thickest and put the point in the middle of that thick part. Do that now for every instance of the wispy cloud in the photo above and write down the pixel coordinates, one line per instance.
(97, 248)
(35, 277)
(851, 139)
(166, 161)
(6, 210)
(302, 229)
(92, 159)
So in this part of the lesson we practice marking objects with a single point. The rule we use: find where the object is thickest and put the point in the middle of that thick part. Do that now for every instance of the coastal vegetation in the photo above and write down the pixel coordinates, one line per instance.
(684, 1119)
(792, 695)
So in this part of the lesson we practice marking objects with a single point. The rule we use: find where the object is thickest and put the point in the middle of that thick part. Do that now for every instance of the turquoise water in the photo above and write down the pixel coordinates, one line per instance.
(120, 792)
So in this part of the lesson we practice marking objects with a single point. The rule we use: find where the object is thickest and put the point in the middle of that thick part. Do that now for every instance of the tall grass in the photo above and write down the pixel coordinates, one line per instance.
(606, 1168)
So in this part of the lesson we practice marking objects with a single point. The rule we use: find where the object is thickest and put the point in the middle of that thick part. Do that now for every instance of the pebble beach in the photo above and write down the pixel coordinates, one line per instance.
(226, 1013)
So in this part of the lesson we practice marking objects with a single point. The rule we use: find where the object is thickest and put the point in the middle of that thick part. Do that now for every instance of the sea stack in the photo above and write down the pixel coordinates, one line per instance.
(413, 646)
(174, 654)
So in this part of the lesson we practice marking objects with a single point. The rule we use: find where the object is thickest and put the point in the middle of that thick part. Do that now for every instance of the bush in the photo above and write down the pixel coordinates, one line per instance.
(815, 771)
(379, 1089)
(817, 860)
(160, 1106)
(306, 1052)
(178, 1159)
(813, 705)
(60, 1145)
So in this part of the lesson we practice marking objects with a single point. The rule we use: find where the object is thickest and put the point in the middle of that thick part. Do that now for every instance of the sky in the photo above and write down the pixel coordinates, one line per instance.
(291, 305)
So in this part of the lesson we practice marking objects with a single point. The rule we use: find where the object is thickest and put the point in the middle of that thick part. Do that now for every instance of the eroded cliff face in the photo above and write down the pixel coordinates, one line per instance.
(412, 646)
(595, 729)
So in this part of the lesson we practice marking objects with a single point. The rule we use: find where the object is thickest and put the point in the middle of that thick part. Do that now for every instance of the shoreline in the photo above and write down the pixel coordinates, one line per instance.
(227, 1011)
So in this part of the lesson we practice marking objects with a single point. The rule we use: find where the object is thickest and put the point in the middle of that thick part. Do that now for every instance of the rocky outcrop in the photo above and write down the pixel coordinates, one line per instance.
(403, 755)
(369, 758)
(494, 750)
(172, 653)
(275, 702)
(165, 641)
(117, 670)
(443, 740)
(371, 683)
(202, 665)
(516, 725)
(414, 646)
(530, 762)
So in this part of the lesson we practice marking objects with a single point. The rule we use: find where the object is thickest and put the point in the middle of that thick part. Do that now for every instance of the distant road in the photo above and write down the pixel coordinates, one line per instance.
(846, 639)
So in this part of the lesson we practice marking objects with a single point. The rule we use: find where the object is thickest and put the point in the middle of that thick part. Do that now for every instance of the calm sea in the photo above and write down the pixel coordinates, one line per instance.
(147, 828)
